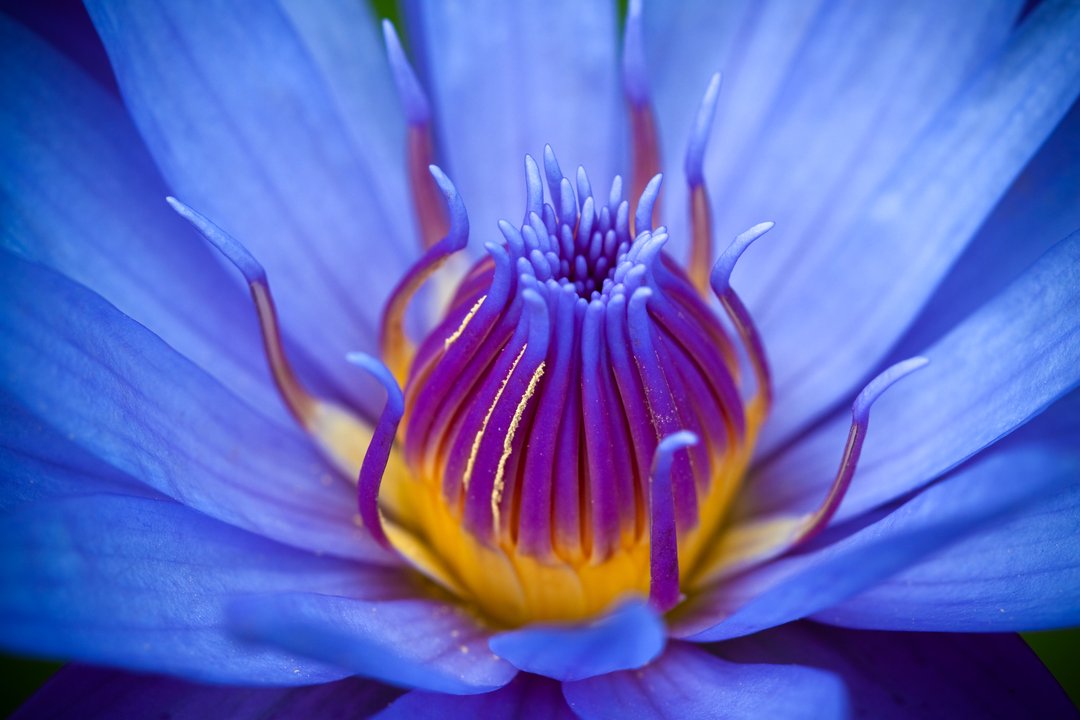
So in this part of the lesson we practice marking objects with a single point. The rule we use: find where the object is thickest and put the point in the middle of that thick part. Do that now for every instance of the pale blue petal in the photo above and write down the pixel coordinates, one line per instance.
(102, 694)
(144, 584)
(1039, 209)
(902, 676)
(242, 105)
(819, 99)
(998, 369)
(113, 388)
(506, 78)
(527, 696)
(983, 495)
(1020, 574)
(37, 462)
(79, 193)
(688, 683)
(869, 272)
(628, 637)
(418, 642)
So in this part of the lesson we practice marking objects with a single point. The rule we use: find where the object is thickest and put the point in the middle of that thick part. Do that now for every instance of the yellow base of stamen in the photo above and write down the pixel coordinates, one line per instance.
(509, 588)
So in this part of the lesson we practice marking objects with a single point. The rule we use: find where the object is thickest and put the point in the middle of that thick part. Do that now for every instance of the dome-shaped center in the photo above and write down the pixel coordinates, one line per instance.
(533, 412)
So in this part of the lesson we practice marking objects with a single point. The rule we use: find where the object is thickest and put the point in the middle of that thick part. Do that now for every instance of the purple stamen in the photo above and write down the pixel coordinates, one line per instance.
(643, 217)
(645, 142)
(396, 349)
(663, 537)
(699, 133)
(378, 451)
(720, 280)
(420, 146)
(297, 399)
(860, 420)
(413, 100)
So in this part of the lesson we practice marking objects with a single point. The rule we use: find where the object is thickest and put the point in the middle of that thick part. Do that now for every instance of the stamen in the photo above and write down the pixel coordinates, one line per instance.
(644, 214)
(339, 432)
(860, 420)
(378, 450)
(769, 537)
(700, 211)
(396, 348)
(430, 214)
(720, 279)
(644, 139)
(297, 399)
(663, 537)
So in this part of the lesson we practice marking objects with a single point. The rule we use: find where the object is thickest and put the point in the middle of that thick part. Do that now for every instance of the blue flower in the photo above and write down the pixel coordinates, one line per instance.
(691, 538)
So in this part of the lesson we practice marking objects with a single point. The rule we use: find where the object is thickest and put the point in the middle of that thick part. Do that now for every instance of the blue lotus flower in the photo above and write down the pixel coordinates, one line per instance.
(356, 446)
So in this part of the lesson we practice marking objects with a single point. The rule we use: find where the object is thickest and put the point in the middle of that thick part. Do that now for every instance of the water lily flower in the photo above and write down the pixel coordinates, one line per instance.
(452, 382)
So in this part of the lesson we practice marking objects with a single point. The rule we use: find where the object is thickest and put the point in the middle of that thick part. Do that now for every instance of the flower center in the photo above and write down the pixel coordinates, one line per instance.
(534, 410)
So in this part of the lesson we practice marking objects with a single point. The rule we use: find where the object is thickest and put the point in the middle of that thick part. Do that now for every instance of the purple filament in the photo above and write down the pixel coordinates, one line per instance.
(663, 538)
(378, 451)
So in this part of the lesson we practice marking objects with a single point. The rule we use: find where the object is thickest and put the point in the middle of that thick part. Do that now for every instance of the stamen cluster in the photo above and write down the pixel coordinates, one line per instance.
(537, 406)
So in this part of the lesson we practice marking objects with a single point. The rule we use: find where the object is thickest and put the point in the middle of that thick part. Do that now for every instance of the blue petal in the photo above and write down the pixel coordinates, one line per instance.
(79, 194)
(871, 268)
(1001, 367)
(819, 99)
(420, 643)
(103, 694)
(688, 683)
(897, 676)
(527, 696)
(144, 584)
(1020, 574)
(977, 497)
(1039, 209)
(628, 637)
(120, 393)
(245, 107)
(37, 462)
(506, 78)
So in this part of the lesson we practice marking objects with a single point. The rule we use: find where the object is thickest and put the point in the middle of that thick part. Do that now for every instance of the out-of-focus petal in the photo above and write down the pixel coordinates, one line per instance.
(1039, 209)
(977, 497)
(420, 643)
(819, 99)
(897, 676)
(506, 78)
(527, 696)
(243, 106)
(100, 694)
(998, 369)
(688, 683)
(626, 638)
(144, 584)
(80, 194)
(116, 390)
(869, 272)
